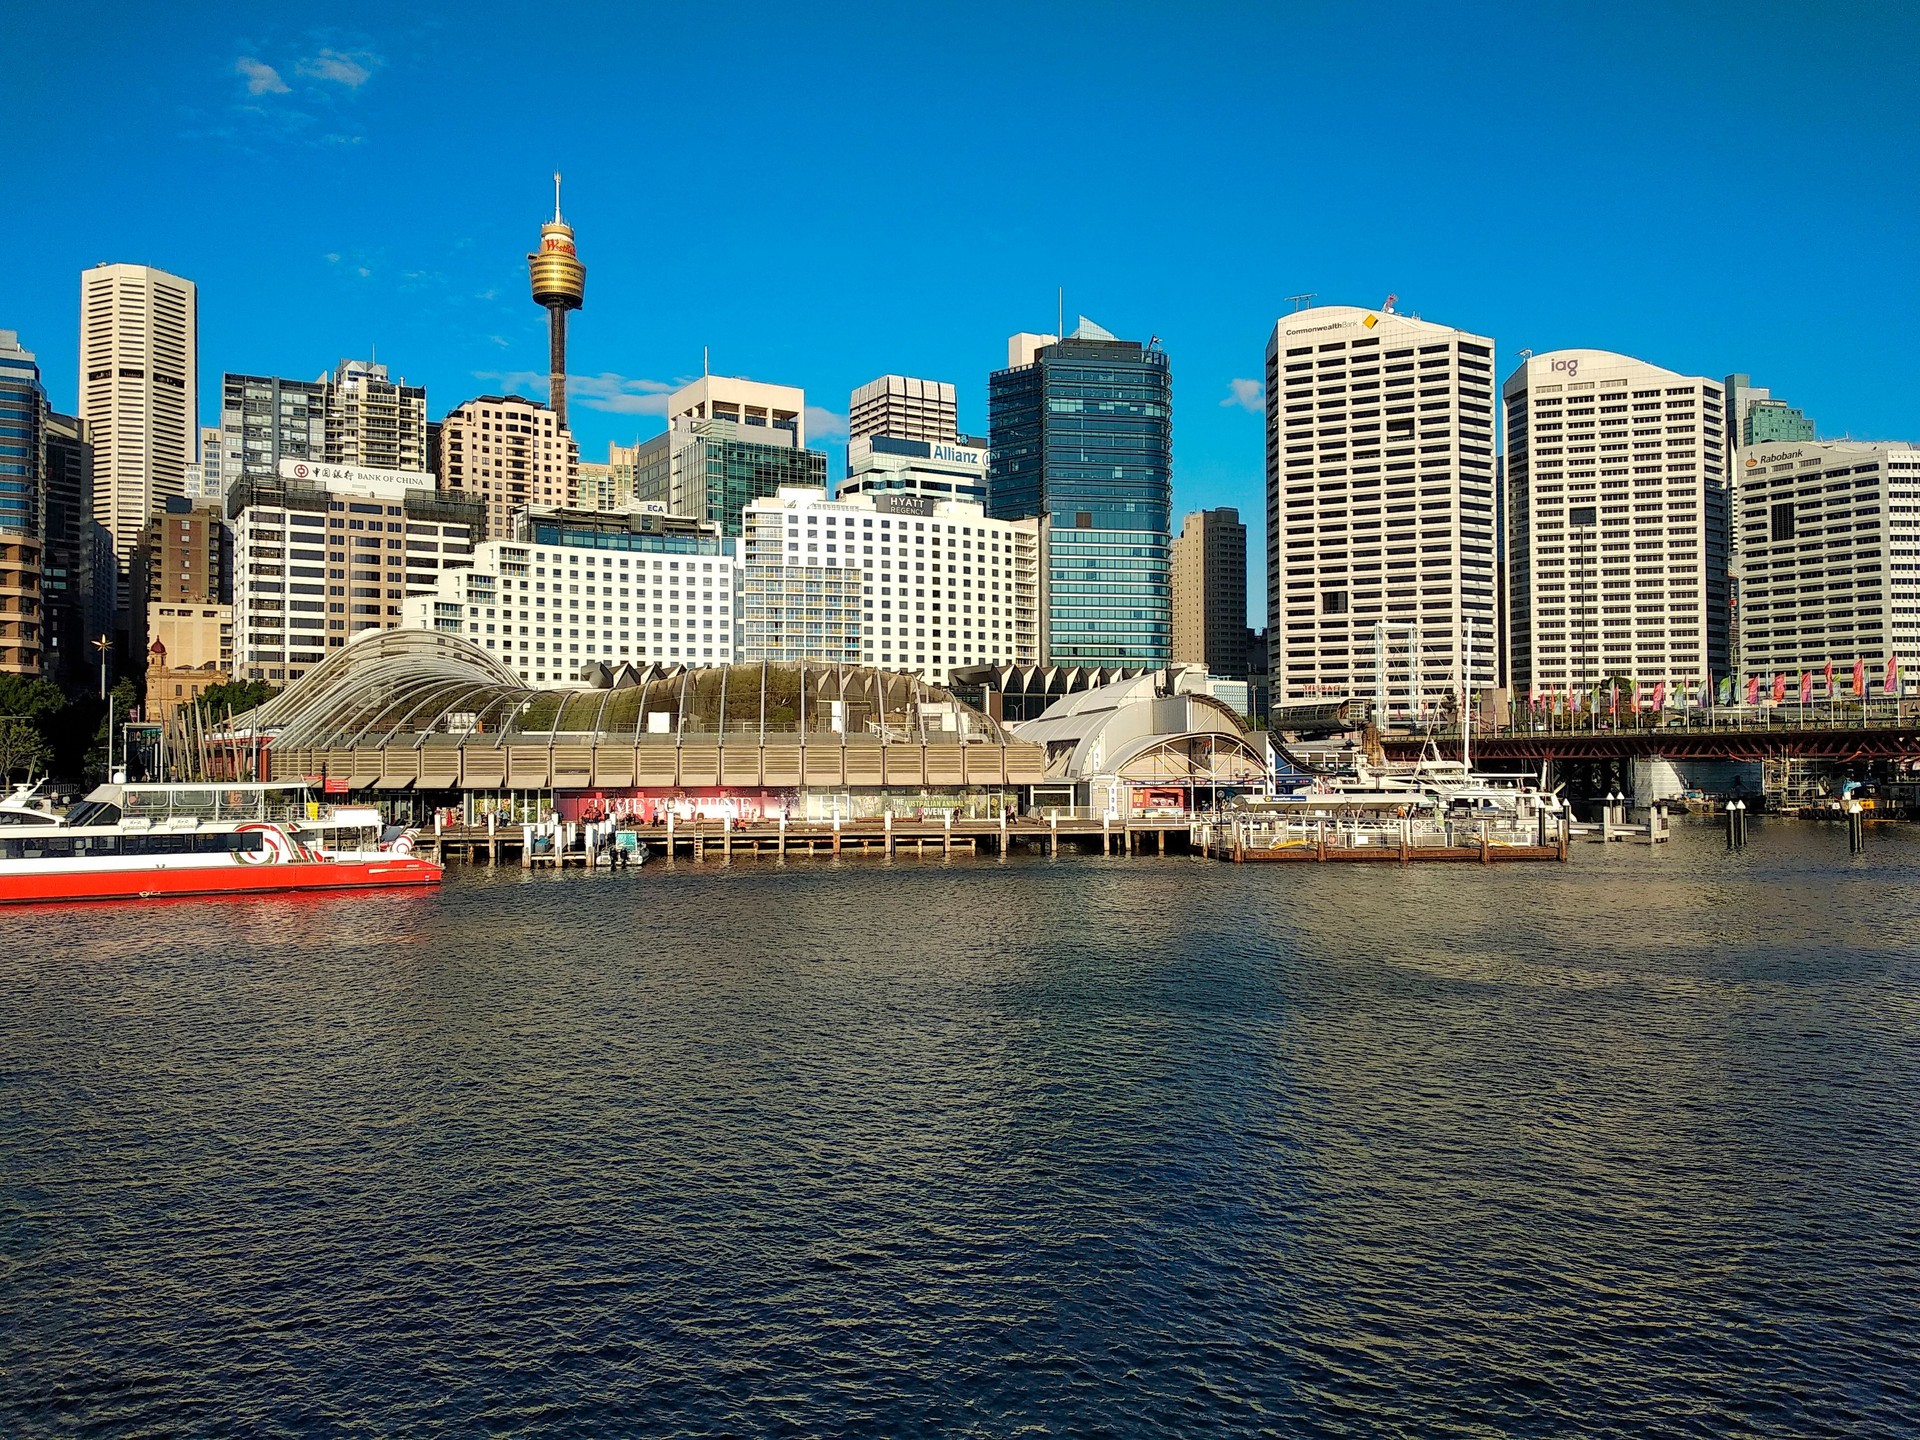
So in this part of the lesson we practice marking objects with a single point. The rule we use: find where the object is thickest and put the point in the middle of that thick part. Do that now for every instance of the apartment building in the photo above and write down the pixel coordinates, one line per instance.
(507, 453)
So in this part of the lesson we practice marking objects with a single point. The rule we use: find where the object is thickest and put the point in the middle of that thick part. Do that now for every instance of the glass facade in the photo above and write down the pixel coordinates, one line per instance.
(1084, 437)
(23, 408)
(722, 473)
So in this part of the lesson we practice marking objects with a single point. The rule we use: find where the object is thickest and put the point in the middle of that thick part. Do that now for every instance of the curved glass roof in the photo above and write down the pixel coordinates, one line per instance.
(421, 687)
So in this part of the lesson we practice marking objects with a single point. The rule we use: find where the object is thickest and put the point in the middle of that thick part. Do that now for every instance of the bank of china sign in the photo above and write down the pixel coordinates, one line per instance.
(312, 472)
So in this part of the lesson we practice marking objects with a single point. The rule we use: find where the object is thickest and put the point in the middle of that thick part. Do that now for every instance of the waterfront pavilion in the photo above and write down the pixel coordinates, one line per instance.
(1143, 746)
(431, 722)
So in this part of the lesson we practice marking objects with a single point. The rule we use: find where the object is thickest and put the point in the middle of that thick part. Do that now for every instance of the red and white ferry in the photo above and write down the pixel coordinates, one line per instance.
(129, 842)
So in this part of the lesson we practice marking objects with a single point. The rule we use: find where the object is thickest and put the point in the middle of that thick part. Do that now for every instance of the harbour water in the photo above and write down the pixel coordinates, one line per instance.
(1132, 1147)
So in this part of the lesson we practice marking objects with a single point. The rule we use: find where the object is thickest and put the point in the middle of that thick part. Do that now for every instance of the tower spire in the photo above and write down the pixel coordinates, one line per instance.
(556, 197)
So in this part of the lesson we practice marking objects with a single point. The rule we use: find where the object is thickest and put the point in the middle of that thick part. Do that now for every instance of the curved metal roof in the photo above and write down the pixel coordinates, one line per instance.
(421, 687)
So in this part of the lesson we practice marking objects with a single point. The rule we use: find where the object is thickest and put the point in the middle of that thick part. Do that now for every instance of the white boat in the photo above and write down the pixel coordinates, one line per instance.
(128, 842)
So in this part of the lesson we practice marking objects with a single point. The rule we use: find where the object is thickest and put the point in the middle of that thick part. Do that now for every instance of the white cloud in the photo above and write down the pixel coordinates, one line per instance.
(1247, 394)
(351, 70)
(333, 257)
(262, 78)
(613, 394)
(823, 424)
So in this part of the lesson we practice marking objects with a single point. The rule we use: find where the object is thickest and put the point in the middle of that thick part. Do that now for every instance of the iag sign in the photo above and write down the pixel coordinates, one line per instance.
(1568, 368)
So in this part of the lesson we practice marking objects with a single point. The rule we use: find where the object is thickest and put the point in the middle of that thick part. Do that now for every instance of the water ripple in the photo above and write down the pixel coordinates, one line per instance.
(1119, 1147)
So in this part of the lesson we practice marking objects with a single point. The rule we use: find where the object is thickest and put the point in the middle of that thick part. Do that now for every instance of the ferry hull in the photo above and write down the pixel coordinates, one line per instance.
(48, 887)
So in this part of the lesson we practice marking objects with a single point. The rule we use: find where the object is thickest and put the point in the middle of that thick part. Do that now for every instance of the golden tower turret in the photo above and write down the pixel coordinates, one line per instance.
(560, 285)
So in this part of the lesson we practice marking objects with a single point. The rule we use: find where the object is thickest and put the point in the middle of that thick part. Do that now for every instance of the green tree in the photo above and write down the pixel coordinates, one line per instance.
(36, 700)
(236, 696)
(23, 748)
(121, 704)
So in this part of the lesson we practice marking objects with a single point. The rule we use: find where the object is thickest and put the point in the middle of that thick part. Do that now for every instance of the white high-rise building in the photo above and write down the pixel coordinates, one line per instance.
(901, 582)
(579, 588)
(1616, 523)
(904, 408)
(374, 421)
(326, 553)
(1829, 557)
(943, 469)
(139, 359)
(1380, 507)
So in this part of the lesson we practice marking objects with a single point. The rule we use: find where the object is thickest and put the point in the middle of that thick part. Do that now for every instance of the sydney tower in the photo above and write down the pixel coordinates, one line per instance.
(559, 284)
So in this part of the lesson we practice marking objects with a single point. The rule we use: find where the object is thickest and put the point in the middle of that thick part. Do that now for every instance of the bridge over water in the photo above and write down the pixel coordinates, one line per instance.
(1881, 730)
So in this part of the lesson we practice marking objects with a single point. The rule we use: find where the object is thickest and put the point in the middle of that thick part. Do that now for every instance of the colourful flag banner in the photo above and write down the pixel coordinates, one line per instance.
(1726, 689)
(1614, 702)
(1779, 688)
(1660, 695)
(1829, 679)
(1753, 690)
(1892, 687)
(1806, 686)
(1859, 679)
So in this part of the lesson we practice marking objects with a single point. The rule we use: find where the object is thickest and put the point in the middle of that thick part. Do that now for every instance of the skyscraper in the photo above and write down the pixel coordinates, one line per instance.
(375, 422)
(23, 464)
(507, 452)
(1209, 587)
(1828, 555)
(1616, 523)
(1082, 436)
(1754, 417)
(728, 441)
(264, 420)
(1380, 507)
(559, 285)
(904, 408)
(139, 358)
(77, 572)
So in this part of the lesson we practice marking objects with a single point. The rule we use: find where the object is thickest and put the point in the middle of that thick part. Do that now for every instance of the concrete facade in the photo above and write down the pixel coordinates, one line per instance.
(139, 363)
(1380, 507)
(904, 408)
(374, 421)
(1616, 523)
(1209, 587)
(902, 583)
(507, 453)
(328, 556)
(1829, 559)
(664, 593)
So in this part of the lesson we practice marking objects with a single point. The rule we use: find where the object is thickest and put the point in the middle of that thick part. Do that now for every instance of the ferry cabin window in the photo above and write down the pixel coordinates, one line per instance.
(68, 847)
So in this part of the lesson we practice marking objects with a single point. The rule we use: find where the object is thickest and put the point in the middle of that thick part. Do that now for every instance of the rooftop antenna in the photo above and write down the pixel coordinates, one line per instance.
(1060, 313)
(1304, 299)
(1391, 301)
(556, 196)
(706, 365)
(1526, 354)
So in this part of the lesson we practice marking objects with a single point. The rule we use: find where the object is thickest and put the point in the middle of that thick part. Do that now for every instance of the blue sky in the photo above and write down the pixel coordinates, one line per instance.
(825, 194)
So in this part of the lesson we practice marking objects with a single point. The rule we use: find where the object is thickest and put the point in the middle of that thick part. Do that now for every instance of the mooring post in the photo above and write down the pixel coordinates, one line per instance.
(836, 833)
(1053, 839)
(946, 836)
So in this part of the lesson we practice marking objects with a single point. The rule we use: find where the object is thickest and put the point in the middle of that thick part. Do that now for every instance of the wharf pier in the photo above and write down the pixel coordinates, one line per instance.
(704, 840)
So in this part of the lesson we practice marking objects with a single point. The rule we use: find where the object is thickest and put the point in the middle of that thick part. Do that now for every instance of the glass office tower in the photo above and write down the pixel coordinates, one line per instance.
(1082, 435)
